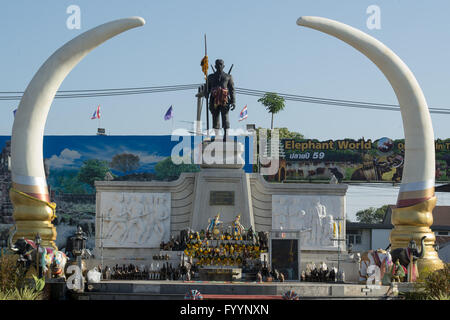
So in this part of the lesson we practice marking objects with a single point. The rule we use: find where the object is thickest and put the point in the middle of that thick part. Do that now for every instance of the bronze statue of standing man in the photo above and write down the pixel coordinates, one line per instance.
(221, 95)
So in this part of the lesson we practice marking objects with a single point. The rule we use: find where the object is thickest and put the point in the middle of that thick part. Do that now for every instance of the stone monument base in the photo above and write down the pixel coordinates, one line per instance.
(134, 217)
(176, 290)
(222, 154)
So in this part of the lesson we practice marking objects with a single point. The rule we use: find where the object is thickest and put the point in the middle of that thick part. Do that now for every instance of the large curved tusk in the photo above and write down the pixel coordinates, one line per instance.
(27, 166)
(419, 168)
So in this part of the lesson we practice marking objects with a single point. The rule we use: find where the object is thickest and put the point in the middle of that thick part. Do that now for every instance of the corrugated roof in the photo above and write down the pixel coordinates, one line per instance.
(443, 188)
(361, 225)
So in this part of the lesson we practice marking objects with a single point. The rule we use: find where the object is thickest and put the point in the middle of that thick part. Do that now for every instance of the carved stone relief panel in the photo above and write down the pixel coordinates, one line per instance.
(314, 215)
(134, 219)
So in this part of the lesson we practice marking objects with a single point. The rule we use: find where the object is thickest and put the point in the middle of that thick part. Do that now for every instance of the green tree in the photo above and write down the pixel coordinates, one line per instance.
(93, 170)
(372, 215)
(70, 184)
(286, 134)
(125, 162)
(67, 181)
(167, 170)
(273, 103)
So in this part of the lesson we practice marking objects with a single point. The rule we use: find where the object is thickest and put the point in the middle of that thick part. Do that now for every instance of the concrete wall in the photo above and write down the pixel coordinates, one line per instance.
(365, 241)
(211, 180)
(182, 197)
(182, 200)
(262, 191)
(262, 203)
(444, 254)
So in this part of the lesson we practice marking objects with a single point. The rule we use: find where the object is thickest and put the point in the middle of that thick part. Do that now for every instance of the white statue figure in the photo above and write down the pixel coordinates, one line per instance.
(327, 231)
(115, 218)
(162, 213)
(150, 211)
(110, 212)
(138, 219)
(318, 212)
(127, 216)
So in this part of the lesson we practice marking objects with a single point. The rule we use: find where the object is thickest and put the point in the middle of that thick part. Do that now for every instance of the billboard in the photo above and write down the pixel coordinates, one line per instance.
(352, 160)
(141, 158)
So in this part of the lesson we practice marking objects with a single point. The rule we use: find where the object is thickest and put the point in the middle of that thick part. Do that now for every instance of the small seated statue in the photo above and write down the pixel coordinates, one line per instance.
(238, 228)
(212, 229)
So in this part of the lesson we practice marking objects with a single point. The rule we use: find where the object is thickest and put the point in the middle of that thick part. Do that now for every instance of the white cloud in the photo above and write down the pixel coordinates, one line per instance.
(65, 159)
(149, 158)
(107, 152)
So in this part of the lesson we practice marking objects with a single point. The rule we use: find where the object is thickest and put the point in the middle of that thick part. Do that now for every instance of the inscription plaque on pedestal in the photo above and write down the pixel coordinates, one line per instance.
(221, 198)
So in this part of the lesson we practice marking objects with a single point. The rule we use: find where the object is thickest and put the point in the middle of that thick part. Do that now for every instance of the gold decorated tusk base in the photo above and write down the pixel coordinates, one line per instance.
(414, 222)
(33, 216)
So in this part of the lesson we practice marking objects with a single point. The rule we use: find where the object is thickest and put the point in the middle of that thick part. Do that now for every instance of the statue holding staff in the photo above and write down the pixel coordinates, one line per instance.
(219, 89)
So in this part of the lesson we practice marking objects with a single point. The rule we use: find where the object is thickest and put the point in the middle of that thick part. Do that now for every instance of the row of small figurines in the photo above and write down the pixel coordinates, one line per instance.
(222, 236)
(133, 272)
(222, 261)
(222, 247)
(207, 242)
(161, 257)
(235, 255)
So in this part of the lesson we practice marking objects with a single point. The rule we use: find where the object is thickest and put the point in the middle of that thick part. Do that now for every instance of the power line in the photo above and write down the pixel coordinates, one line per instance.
(108, 92)
(64, 94)
(195, 85)
(346, 103)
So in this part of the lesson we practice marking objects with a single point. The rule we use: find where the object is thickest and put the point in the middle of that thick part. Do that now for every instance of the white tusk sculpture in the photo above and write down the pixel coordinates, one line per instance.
(416, 200)
(29, 187)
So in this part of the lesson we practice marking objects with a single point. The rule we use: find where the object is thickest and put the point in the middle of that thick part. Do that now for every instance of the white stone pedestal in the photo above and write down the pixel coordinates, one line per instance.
(222, 186)
(222, 154)
(224, 191)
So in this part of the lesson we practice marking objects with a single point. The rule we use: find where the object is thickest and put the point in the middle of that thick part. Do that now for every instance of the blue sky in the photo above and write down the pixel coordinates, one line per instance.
(268, 50)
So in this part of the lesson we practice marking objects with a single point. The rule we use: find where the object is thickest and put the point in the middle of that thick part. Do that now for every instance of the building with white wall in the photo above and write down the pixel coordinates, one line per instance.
(372, 236)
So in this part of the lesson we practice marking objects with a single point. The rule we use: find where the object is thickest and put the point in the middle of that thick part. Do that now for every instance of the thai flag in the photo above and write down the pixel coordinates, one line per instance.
(169, 114)
(96, 114)
(243, 114)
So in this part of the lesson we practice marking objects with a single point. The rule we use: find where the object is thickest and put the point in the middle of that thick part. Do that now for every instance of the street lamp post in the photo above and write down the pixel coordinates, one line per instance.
(339, 240)
(79, 246)
(37, 241)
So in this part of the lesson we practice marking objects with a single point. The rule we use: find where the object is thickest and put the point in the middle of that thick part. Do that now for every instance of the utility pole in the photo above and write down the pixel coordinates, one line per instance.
(206, 93)
(339, 240)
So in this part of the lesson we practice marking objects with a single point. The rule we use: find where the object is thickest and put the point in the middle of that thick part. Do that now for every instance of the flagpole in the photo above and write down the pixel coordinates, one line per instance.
(99, 121)
(206, 95)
